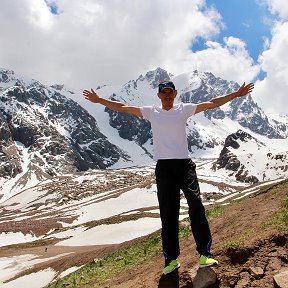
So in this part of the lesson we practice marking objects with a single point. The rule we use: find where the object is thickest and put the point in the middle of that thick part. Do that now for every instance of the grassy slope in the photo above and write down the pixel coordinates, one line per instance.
(95, 274)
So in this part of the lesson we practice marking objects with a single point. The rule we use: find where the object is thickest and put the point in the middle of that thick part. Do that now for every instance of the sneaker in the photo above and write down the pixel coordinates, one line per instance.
(174, 264)
(206, 261)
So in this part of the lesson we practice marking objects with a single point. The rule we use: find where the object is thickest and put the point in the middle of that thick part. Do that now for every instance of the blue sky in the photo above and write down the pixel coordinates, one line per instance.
(244, 19)
(53, 7)
(89, 43)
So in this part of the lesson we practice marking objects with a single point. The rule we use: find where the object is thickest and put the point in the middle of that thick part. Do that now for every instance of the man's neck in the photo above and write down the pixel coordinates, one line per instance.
(167, 107)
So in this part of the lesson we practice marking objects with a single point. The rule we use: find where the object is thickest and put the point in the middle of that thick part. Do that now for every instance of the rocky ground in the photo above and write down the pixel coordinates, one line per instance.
(249, 255)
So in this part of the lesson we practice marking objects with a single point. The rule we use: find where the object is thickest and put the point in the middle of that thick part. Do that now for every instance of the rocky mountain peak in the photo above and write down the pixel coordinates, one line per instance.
(44, 133)
(241, 156)
(9, 78)
(250, 115)
(156, 76)
(229, 160)
(232, 139)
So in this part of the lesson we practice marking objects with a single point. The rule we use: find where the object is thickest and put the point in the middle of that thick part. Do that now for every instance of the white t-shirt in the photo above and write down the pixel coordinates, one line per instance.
(169, 130)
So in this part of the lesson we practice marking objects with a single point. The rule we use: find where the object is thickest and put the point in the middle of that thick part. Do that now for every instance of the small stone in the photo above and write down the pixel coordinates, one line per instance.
(203, 277)
(275, 264)
(119, 258)
(233, 279)
(244, 280)
(256, 272)
(281, 279)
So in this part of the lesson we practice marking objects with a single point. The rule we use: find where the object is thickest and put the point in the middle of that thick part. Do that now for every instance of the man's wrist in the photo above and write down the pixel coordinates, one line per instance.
(99, 100)
(236, 94)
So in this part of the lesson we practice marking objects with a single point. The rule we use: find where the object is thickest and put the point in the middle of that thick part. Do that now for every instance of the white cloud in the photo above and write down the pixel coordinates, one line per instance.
(272, 91)
(279, 7)
(92, 42)
(230, 61)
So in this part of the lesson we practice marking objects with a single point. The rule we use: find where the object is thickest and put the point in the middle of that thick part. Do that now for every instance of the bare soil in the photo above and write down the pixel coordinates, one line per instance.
(241, 245)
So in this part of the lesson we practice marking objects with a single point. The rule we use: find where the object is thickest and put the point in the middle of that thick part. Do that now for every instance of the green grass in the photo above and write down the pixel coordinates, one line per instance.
(227, 244)
(236, 241)
(279, 219)
(95, 274)
(274, 188)
(215, 212)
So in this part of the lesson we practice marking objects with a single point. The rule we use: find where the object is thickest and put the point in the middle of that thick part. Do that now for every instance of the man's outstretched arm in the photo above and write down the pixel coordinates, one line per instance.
(221, 100)
(113, 105)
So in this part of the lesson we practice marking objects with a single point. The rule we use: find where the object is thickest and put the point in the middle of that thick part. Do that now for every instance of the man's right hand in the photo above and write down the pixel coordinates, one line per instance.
(91, 96)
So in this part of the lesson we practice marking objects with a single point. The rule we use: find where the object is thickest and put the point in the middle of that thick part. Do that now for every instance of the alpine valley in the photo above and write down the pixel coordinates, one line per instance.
(74, 173)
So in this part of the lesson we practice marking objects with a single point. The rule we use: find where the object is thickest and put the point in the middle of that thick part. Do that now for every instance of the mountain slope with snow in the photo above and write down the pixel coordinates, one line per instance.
(44, 134)
(48, 131)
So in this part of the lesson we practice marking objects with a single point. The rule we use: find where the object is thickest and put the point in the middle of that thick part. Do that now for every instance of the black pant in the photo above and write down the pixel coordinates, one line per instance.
(171, 176)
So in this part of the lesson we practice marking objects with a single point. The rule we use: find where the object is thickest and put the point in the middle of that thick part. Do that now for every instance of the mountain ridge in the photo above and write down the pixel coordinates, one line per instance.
(52, 130)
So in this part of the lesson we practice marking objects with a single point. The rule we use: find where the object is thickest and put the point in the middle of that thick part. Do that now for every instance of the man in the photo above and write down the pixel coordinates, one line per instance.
(175, 171)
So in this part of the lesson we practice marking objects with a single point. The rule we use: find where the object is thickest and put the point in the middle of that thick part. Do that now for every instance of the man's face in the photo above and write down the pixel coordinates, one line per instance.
(167, 95)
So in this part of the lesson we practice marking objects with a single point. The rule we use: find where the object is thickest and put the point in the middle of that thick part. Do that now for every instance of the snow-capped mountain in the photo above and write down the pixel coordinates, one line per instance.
(50, 136)
(208, 132)
(48, 131)
(193, 87)
(247, 159)
(44, 134)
